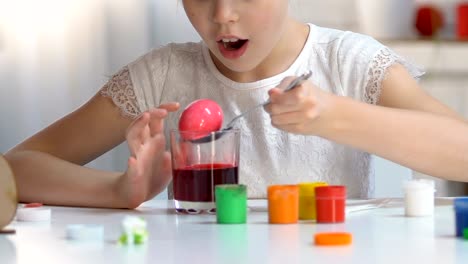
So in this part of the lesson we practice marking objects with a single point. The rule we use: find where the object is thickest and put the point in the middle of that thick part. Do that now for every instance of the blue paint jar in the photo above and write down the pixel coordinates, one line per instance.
(461, 214)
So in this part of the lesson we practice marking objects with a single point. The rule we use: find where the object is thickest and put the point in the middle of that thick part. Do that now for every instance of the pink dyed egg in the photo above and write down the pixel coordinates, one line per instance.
(201, 116)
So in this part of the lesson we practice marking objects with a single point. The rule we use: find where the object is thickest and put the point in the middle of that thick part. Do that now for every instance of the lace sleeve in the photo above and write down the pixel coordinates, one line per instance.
(120, 89)
(378, 69)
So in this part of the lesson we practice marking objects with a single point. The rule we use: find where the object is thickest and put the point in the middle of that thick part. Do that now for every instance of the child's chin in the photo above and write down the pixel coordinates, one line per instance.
(240, 65)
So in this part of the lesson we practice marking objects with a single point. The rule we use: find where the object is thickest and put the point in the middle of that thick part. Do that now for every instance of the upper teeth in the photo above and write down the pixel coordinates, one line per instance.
(230, 40)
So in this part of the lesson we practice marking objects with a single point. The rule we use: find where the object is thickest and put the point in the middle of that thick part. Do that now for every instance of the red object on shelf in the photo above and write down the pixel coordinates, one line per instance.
(429, 20)
(330, 203)
(462, 21)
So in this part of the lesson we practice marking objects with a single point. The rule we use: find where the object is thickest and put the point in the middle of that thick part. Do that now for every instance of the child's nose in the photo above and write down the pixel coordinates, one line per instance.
(224, 12)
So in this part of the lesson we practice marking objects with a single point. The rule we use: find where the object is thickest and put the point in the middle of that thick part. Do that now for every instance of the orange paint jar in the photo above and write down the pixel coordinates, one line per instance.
(283, 204)
(330, 202)
(307, 210)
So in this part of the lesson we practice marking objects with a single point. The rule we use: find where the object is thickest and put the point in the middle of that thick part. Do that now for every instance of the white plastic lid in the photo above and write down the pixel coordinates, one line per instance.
(36, 214)
(419, 184)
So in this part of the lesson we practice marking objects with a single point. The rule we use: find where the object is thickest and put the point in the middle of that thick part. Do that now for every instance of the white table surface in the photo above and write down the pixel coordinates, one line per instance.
(381, 235)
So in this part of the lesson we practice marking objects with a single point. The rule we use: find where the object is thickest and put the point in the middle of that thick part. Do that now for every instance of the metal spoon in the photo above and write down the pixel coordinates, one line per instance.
(230, 125)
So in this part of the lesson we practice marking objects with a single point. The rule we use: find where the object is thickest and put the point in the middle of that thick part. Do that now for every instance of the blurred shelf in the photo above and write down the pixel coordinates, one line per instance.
(441, 57)
(427, 40)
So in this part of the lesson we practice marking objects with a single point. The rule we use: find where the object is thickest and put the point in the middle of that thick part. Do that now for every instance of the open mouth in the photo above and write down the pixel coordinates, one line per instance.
(233, 44)
(233, 48)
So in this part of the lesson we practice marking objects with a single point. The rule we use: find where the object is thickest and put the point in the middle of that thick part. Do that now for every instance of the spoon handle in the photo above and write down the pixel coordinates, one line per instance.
(291, 86)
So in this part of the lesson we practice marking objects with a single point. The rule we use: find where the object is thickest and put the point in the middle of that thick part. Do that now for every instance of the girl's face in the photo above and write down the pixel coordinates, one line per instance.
(240, 34)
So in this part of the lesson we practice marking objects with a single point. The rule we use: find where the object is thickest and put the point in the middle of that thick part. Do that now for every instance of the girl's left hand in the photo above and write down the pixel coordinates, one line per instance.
(300, 110)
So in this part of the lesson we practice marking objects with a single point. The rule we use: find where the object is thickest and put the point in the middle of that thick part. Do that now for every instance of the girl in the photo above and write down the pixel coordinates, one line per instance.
(362, 99)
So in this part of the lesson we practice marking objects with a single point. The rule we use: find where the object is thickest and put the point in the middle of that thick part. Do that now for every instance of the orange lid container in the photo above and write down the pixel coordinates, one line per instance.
(283, 204)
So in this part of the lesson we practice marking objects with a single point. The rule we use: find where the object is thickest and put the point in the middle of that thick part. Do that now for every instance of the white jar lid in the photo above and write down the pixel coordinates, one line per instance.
(36, 214)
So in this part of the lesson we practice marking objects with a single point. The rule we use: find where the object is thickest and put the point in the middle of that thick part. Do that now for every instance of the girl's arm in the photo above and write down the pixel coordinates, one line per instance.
(412, 128)
(49, 166)
(408, 127)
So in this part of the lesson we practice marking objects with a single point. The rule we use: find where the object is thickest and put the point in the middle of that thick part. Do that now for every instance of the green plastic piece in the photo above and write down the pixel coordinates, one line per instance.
(465, 233)
(134, 231)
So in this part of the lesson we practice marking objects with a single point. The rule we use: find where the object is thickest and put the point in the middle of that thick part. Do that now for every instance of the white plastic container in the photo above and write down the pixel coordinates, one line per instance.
(419, 197)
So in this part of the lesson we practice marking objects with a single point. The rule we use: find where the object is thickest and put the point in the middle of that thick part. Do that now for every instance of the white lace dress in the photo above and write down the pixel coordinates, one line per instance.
(343, 63)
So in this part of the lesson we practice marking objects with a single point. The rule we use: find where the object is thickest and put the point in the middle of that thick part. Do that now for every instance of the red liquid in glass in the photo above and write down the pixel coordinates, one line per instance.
(196, 183)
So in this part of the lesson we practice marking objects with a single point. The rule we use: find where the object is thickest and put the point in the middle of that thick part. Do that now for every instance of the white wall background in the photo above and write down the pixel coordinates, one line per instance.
(55, 54)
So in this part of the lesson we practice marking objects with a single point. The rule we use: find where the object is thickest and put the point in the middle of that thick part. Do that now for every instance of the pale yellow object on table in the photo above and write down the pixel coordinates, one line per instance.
(8, 193)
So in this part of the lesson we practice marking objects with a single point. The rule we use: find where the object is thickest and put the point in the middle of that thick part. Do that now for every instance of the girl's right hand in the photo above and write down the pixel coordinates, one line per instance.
(149, 164)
